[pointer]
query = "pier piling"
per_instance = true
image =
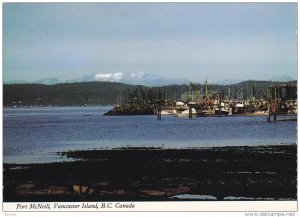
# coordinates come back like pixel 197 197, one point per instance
pixel 190 112
pixel 269 113
pixel 159 114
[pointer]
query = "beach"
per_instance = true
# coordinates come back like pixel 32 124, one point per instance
pixel 262 172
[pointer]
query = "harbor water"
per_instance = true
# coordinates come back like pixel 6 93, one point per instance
pixel 35 135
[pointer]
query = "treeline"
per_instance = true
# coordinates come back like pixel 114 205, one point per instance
pixel 65 94
pixel 107 93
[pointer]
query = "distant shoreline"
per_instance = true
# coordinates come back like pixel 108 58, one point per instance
pixel 94 106
pixel 106 93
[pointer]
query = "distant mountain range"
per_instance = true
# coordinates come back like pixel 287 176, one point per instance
pixel 281 78
pixel 141 78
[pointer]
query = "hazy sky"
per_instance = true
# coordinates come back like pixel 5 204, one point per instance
pixel 174 40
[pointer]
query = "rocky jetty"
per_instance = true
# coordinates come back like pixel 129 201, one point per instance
pixel 142 109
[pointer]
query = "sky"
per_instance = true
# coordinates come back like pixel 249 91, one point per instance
pixel 225 41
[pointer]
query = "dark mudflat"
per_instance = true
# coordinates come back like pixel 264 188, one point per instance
pixel 152 174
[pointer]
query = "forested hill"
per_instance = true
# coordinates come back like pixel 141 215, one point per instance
pixel 106 93
pixel 65 94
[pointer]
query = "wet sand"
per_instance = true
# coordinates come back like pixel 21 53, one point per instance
pixel 157 174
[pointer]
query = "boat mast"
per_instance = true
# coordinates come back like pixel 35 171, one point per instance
pixel 206 88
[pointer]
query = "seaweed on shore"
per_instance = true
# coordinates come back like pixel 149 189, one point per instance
pixel 140 174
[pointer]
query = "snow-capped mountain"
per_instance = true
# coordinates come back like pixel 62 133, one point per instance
pixel 48 81
pixel 141 78
pixel 229 82
pixel 283 78
pixel 112 77
pixel 15 82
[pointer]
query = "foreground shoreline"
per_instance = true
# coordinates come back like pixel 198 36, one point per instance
pixel 155 174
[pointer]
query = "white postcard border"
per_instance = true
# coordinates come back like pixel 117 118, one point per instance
pixel 190 206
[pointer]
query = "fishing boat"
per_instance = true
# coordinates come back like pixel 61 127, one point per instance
pixel 205 112
pixel 167 112
pixel 185 113
pixel 224 111
pixel 180 107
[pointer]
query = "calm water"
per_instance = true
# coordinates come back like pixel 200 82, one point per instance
pixel 33 135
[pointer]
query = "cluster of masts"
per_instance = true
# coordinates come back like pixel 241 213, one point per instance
pixel 280 98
